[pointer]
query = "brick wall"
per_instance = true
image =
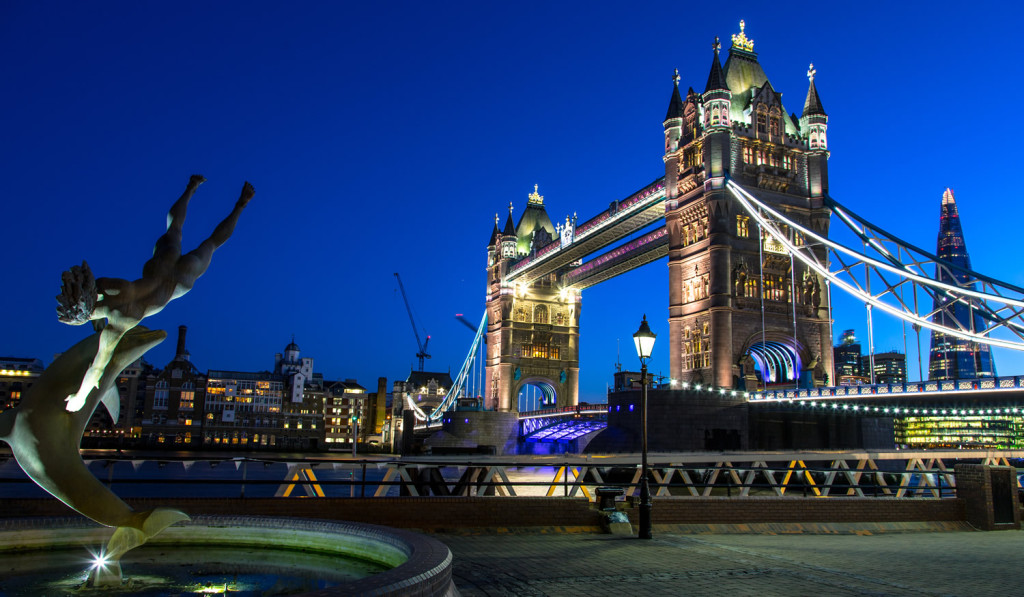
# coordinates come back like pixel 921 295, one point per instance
pixel 989 494
pixel 438 513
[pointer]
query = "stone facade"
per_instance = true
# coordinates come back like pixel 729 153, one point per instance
pixel 532 329
pixel 734 291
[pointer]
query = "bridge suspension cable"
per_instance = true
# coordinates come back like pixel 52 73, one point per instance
pixel 897 264
pixel 464 382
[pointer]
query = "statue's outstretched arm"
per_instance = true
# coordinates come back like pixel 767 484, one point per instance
pixel 109 337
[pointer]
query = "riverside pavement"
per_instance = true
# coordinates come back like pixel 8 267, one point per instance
pixel 743 560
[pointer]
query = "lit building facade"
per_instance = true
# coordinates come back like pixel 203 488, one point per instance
pixel 847 359
pixel 345 407
pixel 172 415
pixel 990 432
pixel 302 406
pixel 951 357
pixel 17 375
pixel 242 410
pixel 101 431
pixel 888 367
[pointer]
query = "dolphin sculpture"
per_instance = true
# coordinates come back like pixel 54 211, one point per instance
pixel 44 437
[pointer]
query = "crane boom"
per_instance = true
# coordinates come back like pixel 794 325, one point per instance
pixel 422 354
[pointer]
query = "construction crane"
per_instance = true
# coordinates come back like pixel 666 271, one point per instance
pixel 422 354
pixel 465 322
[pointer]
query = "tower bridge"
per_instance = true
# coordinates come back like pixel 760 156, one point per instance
pixel 743 213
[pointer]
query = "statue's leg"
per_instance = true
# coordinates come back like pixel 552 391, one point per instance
pixel 224 230
pixel 194 263
pixel 176 216
pixel 168 246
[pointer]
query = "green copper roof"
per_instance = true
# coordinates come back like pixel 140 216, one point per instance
pixel 534 217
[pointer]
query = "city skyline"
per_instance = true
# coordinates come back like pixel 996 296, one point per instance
pixel 385 141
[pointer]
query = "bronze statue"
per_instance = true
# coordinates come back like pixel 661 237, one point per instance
pixel 166 276
pixel 45 429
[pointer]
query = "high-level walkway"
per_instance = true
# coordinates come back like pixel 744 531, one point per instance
pixel 678 562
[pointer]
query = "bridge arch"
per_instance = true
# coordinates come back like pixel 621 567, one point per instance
pixel 535 393
pixel 775 358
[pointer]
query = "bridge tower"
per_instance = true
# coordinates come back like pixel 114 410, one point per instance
pixel 533 328
pixel 741 310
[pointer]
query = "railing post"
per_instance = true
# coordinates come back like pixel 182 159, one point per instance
pixel 362 490
pixel 245 470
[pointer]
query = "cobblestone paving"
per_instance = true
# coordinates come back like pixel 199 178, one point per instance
pixel 973 564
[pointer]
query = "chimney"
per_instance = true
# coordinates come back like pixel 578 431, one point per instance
pixel 181 352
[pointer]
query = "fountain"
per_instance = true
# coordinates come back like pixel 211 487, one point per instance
pixel 44 431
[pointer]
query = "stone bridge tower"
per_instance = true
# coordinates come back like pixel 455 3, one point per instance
pixel 742 312
pixel 532 329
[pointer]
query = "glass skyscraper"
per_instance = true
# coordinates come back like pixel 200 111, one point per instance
pixel 951 357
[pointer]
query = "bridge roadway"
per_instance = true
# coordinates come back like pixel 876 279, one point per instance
pixel 985 396
pixel 621 219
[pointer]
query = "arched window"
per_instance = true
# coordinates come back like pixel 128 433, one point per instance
pixel 715 114
pixel 762 121
pixel 540 314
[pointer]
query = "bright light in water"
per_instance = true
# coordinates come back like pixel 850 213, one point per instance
pixel 99 559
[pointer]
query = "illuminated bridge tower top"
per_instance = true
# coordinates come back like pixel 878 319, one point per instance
pixel 532 326
pixel 951 357
pixel 742 312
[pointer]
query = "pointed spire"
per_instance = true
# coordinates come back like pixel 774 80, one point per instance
pixel 812 106
pixel 510 227
pixel 675 105
pixel 494 235
pixel 716 79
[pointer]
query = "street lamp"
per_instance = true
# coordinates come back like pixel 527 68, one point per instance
pixel 644 340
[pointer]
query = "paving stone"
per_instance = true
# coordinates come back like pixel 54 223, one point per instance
pixel 968 563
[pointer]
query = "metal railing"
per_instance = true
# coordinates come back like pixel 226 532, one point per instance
pixel 896 475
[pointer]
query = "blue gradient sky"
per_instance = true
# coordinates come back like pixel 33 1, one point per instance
pixel 384 138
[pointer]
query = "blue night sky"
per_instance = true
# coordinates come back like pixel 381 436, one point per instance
pixel 383 138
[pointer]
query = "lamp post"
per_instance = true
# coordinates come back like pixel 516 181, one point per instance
pixel 644 341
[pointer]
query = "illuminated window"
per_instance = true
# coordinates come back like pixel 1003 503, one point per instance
pixel 742 226
pixel 748 154
pixel 188 395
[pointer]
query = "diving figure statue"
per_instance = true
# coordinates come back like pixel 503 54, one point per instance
pixel 45 429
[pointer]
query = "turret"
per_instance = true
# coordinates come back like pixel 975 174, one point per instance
pixel 493 250
pixel 674 118
pixel 717 121
pixel 508 237
pixel 814 127
pixel 717 97
pixel 814 121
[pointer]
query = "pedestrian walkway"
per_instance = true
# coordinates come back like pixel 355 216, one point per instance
pixel 680 562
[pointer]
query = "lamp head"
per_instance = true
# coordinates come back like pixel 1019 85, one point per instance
pixel 644 341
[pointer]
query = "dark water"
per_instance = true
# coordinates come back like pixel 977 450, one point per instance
pixel 165 571
pixel 207 478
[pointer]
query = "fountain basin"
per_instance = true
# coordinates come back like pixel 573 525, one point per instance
pixel 392 561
